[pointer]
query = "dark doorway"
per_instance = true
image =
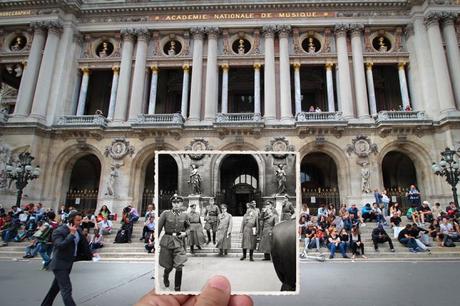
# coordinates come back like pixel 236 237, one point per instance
pixel 239 183
pixel 169 94
pixel 84 183
pixel 241 90
pixel 167 178
pixel 398 174
pixel 99 89
pixel 318 177
pixel 387 90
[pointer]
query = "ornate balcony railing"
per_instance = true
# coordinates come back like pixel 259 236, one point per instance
pixel 238 118
pixel 400 116
pixel 160 119
pixel 319 117
pixel 83 121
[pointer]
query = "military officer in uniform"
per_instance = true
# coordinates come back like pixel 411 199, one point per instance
pixel 175 223
pixel 287 210
pixel 249 230
pixel 224 230
pixel 196 236
pixel 210 216
pixel 267 222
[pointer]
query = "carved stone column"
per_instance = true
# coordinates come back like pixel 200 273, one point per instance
pixel 113 92
pixel 413 71
pixel 212 76
pixel 137 92
pixel 344 82
pixel 330 88
pixel 83 92
pixel 30 74
pixel 257 110
pixel 298 94
pixel 224 88
pixel 453 52
pixel 121 106
pixel 358 71
pixel 285 76
pixel 42 91
pixel 403 85
pixel 441 72
pixel 185 90
pixel 269 75
pixel 197 69
pixel 371 89
pixel 153 90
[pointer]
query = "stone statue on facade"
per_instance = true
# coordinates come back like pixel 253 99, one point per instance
pixel 382 46
pixel 365 179
pixel 5 153
pixel 105 50
pixel 172 48
pixel 280 176
pixel 18 44
pixel 111 183
pixel 241 47
pixel 311 46
pixel 195 180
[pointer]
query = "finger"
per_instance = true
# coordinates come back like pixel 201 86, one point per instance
pixel 153 299
pixel 240 300
pixel 216 292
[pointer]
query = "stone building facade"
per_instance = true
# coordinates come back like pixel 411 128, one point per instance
pixel 367 91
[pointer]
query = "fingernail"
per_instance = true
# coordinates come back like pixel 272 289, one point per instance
pixel 219 282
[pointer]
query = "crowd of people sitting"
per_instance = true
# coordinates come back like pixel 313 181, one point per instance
pixel 34 224
pixel 340 231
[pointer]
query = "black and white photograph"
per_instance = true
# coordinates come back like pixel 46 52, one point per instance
pixel 226 213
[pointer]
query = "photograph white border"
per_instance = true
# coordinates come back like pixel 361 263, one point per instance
pixel 297 213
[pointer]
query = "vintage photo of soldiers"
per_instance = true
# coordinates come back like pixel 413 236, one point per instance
pixel 227 228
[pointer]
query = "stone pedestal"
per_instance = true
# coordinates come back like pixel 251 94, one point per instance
pixel 197 200
pixel 279 204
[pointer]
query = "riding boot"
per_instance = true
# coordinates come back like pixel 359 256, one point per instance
pixel 178 280
pixel 221 252
pixel 166 277
pixel 214 237
pixel 192 250
pixel 266 256
pixel 251 255
pixel 244 255
pixel 225 252
pixel 209 236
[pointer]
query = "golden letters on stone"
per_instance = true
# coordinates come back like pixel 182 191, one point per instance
pixel 241 16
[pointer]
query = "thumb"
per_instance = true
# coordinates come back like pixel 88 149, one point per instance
pixel 216 292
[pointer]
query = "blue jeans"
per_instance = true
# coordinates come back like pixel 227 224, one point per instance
pixel 409 242
pixel 45 252
pixel 32 249
pixel 312 243
pixel 380 219
pixel 341 247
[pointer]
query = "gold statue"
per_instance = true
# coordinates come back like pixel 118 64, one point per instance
pixel 311 46
pixel 105 50
pixel 18 45
pixel 172 48
pixel 382 46
pixel 241 50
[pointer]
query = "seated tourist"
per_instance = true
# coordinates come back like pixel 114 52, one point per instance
pixel 407 239
pixel 311 238
pixel 105 226
pixel 452 210
pixel 335 243
pixel 355 215
pixel 97 241
pixel 150 243
pixel 437 211
pixel 31 250
pixel 421 237
pixel 133 214
pixel 322 223
pixel 395 215
pixel 150 211
pixel 377 211
pixel 367 213
pixel 425 213
pixel 347 221
pixel 379 235
pixel 356 243
pixel 104 212
pixel 322 211
pixel 343 210
pixel 305 212
pixel 447 229
pixel 149 226
pixel 345 238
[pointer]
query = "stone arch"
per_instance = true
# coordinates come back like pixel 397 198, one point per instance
pixel 139 166
pixel 341 161
pixel 239 147
pixel 59 174
pixel 421 159
pixel 217 159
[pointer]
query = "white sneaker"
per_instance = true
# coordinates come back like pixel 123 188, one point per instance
pixel 363 224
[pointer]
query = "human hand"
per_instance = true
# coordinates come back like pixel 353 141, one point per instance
pixel 216 292
pixel 73 229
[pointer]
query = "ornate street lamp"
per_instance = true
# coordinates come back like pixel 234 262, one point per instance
pixel 22 171
pixel 449 167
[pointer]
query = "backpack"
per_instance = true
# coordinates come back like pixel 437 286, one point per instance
pixel 122 236
pixel 449 242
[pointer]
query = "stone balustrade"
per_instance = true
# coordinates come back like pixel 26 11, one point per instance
pixel 238 118
pixel 173 120
pixel 319 117
pixel 83 121
pixel 400 116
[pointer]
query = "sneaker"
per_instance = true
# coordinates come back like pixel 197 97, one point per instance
pixel 330 256
pixel 412 250
pixel 392 250
pixel 345 256
pixel 363 224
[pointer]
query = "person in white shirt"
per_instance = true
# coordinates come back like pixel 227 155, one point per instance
pixel 105 226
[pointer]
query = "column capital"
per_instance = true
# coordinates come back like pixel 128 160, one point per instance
pixel 432 19
pixel 356 29
pixel 141 33
pixel 448 18
pixel 283 30
pixel 198 32
pixel 116 69
pixel 296 65
pixel 257 66
pixel 128 34
pixel 401 65
pixel 85 70
pixel 212 32
pixel 409 29
pixel 225 67
pixel 269 31
pixel 369 65
pixel 341 29
pixel 154 68
pixel 39 27
pixel 329 65
pixel 186 67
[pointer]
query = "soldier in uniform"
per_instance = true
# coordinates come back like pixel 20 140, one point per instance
pixel 249 229
pixel 287 210
pixel 196 236
pixel 224 230
pixel 268 220
pixel 210 216
pixel 175 222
